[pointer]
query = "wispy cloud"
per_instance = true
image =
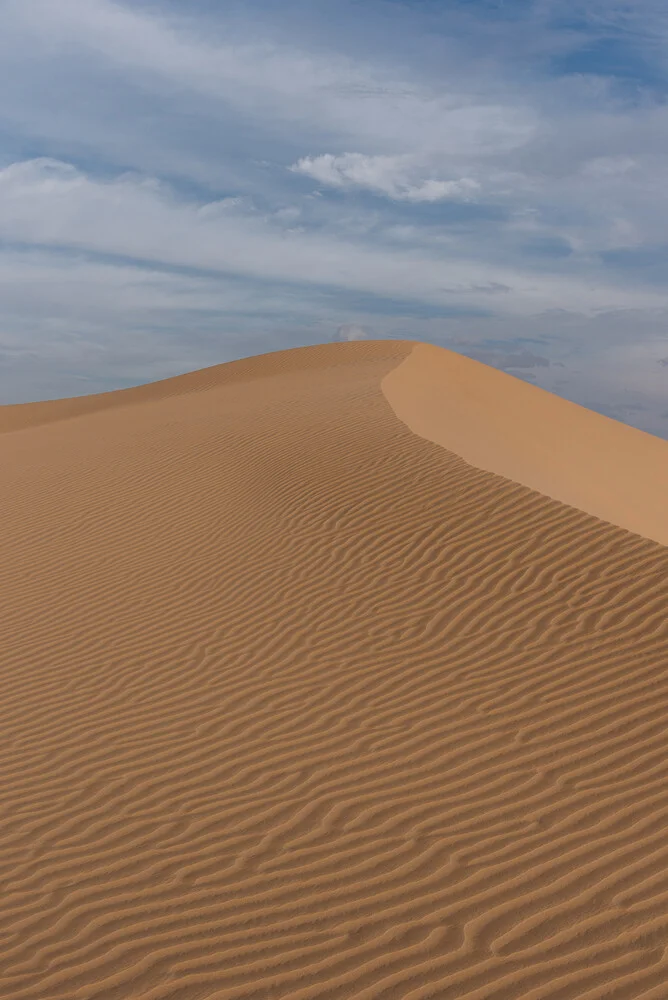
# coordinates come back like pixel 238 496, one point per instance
pixel 397 177
pixel 352 331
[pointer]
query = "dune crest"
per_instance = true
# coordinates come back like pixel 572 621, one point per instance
pixel 299 705
pixel 506 426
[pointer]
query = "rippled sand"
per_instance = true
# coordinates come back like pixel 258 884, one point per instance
pixel 313 685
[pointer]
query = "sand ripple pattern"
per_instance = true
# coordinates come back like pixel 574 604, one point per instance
pixel 296 704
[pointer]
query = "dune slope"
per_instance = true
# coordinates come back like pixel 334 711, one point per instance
pixel 504 425
pixel 297 703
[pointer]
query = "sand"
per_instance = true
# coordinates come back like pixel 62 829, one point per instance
pixel 297 702
pixel 504 425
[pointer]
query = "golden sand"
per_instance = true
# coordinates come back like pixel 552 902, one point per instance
pixel 308 690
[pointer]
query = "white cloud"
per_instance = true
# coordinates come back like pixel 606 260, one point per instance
pixel 43 202
pixel 394 176
pixel 352 331
pixel 263 79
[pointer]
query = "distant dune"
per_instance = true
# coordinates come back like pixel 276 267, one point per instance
pixel 332 673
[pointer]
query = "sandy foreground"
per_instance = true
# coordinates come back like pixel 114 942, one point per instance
pixel 331 673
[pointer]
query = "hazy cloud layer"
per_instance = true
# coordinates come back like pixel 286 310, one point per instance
pixel 185 183
pixel 504 359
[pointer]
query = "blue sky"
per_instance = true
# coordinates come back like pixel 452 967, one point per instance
pixel 186 183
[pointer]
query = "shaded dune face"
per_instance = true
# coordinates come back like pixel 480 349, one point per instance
pixel 299 704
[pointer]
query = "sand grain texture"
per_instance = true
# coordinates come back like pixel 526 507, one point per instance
pixel 297 703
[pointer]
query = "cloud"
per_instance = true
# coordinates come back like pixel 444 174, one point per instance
pixel 211 66
pixel 393 176
pixel 504 360
pixel 351 331
pixel 52 204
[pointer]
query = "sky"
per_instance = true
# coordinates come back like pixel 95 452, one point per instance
pixel 186 183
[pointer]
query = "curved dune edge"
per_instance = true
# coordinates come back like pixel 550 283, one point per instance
pixel 273 364
pixel 299 705
pixel 503 425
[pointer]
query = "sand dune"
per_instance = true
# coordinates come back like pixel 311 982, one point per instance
pixel 297 702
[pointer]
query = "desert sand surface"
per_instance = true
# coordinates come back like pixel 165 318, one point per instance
pixel 298 702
